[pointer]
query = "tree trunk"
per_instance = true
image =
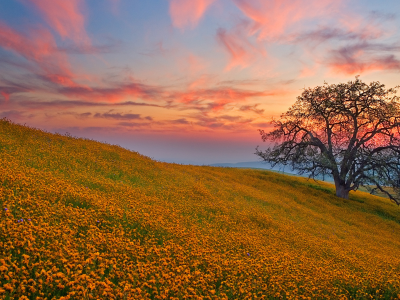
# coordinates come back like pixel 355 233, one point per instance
pixel 341 190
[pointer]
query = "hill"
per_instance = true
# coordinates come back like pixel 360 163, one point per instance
pixel 87 220
pixel 247 164
pixel 263 165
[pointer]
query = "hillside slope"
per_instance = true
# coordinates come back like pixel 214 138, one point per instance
pixel 86 220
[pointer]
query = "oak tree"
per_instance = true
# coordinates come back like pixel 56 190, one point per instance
pixel 350 131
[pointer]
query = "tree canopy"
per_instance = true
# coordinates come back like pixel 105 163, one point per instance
pixel 350 131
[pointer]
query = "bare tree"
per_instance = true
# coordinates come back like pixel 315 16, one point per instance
pixel 348 130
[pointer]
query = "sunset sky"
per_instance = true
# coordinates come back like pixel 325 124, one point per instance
pixel 184 80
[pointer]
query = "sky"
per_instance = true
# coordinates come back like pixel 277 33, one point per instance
pixel 186 81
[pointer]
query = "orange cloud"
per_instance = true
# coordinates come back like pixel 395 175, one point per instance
pixel 187 13
pixel 64 17
pixel 252 108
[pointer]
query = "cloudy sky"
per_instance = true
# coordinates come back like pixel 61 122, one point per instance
pixel 184 80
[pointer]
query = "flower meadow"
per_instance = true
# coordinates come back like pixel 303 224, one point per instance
pixel 82 219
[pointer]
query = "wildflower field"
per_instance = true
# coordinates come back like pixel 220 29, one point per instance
pixel 82 219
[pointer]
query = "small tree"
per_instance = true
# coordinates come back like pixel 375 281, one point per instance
pixel 349 130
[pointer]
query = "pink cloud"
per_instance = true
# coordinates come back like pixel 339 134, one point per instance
pixel 64 80
pixel 5 95
pixel 187 13
pixel 64 17
pixel 241 51
pixel 200 99
pixel 39 47
pixel 363 66
pixel 113 94
pixel 270 19
pixel 365 28
pixel 203 80
pixel 191 64
pixel 215 99
pixel 362 58
pixel 195 64
pixel 308 71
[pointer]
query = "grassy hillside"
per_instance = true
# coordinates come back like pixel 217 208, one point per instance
pixel 86 220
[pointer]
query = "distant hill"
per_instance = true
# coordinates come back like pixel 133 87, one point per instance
pixel 248 164
pixel 86 220
pixel 252 164
pixel 263 165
